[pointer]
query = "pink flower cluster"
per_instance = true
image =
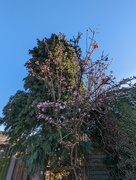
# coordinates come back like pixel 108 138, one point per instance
pixel 47 118
pixel 61 105
pixel 61 36
pixel 43 105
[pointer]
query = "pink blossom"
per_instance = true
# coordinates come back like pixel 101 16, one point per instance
pixel 42 105
pixel 61 36
pixel 41 116
pixel 37 62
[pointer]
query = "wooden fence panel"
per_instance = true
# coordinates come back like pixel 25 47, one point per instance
pixel 19 172
pixel 95 168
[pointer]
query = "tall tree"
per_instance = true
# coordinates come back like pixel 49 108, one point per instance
pixel 51 72
pixel 64 106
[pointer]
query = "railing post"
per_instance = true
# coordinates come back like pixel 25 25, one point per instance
pixel 11 168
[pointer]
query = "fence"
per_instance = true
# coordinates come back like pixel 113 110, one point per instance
pixel 16 171
pixel 95 168
pixel 10 168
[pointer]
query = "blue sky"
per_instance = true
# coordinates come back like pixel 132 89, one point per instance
pixel 21 22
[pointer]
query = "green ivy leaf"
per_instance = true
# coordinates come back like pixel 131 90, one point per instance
pixel 86 146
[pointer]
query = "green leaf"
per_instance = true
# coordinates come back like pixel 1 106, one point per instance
pixel 86 146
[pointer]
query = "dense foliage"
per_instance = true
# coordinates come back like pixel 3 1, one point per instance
pixel 65 107
pixel 123 155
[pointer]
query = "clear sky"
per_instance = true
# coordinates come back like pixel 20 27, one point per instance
pixel 22 22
